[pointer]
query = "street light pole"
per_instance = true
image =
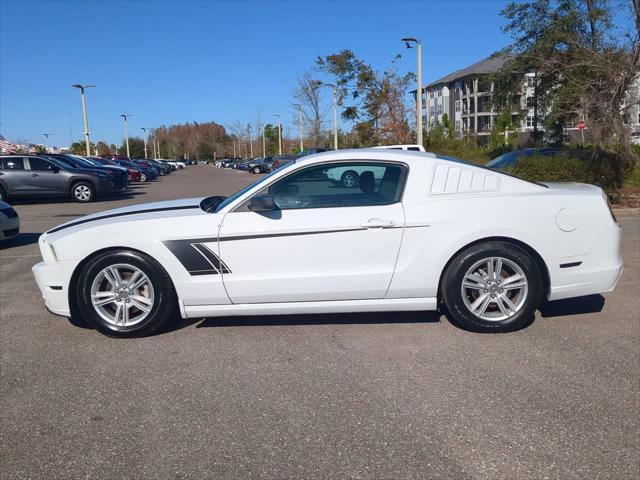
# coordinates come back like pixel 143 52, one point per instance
pixel 279 134
pixel 46 141
pixel 84 113
pixel 408 41
pixel 144 129
pixel 264 149
pixel 126 131
pixel 300 124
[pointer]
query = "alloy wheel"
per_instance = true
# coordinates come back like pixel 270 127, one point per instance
pixel 122 295
pixel 82 193
pixel 494 289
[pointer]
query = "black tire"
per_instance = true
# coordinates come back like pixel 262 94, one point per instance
pixel 3 194
pixel 349 179
pixel 452 294
pixel 165 305
pixel 83 192
pixel 256 169
pixel 143 178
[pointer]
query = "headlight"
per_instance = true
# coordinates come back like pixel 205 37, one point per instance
pixel 48 252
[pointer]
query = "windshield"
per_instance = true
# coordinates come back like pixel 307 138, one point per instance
pixel 239 193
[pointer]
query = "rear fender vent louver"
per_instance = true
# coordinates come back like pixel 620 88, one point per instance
pixel 448 179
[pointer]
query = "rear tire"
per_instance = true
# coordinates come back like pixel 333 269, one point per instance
pixel 83 192
pixel 492 287
pixel 149 306
pixel 256 170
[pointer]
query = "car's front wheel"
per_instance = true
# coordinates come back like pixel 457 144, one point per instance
pixel 256 169
pixel 143 177
pixel 492 287
pixel 3 194
pixel 83 192
pixel 125 294
pixel 349 179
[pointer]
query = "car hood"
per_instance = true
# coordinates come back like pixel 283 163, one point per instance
pixel 185 206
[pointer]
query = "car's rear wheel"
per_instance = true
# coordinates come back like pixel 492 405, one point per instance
pixel 492 287
pixel 256 169
pixel 83 192
pixel 349 179
pixel 126 294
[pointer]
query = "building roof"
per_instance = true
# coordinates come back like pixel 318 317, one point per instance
pixel 488 65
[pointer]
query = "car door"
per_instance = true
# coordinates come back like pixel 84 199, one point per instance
pixel 322 242
pixel 45 176
pixel 14 175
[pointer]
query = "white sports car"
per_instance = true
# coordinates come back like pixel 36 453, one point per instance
pixel 429 231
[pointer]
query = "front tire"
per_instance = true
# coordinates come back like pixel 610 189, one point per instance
pixel 349 179
pixel 126 294
pixel 256 170
pixel 3 194
pixel 492 287
pixel 143 178
pixel 83 192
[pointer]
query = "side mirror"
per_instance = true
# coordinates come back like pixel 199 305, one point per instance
pixel 262 203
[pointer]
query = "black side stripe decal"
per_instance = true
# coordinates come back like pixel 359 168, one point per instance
pixel 122 214
pixel 196 258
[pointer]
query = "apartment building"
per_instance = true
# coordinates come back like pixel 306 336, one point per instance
pixel 465 96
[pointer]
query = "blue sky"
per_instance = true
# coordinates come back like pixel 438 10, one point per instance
pixel 176 61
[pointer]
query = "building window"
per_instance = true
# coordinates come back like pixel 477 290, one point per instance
pixel 531 81
pixel 440 92
pixel 530 121
pixel 457 105
pixel 531 101
pixel 457 125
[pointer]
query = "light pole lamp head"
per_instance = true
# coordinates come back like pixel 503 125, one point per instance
pixel 408 40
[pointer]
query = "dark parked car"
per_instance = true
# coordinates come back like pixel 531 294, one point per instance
pixel 146 174
pixel 260 165
pixel 34 176
pixel 147 165
pixel 510 159
pixel 120 177
pixel 163 168
pixel 133 173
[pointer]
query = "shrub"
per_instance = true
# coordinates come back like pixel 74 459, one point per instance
pixel 572 166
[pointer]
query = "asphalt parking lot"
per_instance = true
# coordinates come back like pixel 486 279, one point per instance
pixel 384 396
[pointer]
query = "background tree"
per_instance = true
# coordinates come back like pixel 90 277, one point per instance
pixel 271 139
pixel 583 67
pixel 308 95
pixel 103 149
pixel 136 147
pixel 79 148
pixel 376 99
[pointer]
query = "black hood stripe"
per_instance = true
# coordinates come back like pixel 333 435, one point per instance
pixel 122 214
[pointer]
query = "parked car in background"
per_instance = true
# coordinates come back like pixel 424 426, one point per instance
pixel 282 161
pixel 162 168
pixel 153 172
pixel 409 148
pixel 311 151
pixel 120 177
pixel 35 176
pixel 510 159
pixel 134 174
pixel 9 221
pixel 244 165
pixel 145 174
pixel 260 165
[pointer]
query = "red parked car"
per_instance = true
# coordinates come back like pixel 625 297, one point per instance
pixel 134 174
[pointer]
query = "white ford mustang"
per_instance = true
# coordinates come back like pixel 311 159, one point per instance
pixel 408 231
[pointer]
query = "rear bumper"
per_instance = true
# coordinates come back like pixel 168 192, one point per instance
pixel 53 284
pixel 598 271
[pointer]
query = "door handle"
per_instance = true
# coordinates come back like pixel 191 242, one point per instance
pixel 377 223
pixel 34 174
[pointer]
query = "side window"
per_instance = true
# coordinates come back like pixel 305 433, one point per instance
pixel 39 164
pixel 354 184
pixel 13 163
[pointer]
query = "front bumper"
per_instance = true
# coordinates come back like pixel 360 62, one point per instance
pixel 52 280
pixel 9 228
